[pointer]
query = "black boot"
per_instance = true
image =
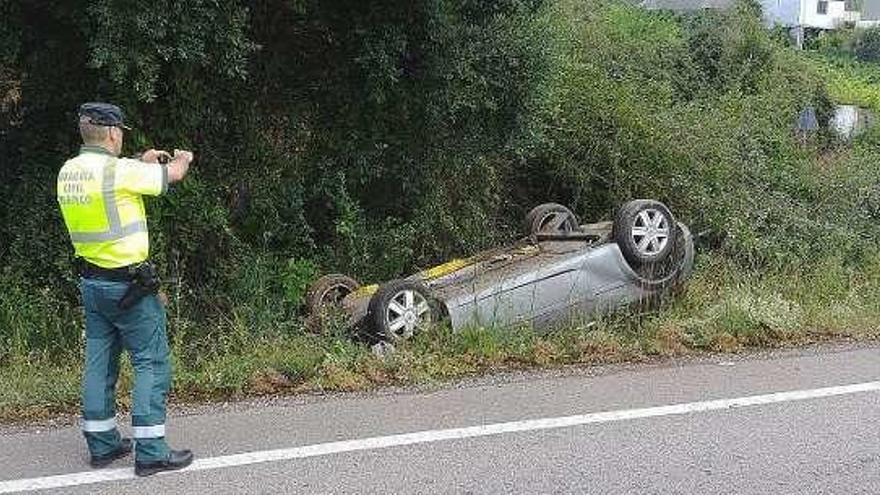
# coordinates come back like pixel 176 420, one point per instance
pixel 105 460
pixel 177 459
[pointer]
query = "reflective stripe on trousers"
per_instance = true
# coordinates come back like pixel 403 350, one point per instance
pixel 157 431
pixel 97 426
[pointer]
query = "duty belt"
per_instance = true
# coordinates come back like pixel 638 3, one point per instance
pixel 122 274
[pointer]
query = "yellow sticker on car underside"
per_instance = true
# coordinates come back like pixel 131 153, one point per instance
pixel 367 290
pixel 445 269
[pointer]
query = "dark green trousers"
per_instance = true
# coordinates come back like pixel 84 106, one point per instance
pixel 139 330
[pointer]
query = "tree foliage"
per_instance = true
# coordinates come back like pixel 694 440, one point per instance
pixel 378 137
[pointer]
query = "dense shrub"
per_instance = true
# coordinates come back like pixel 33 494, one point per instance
pixel 379 137
pixel 867 45
pixel 862 44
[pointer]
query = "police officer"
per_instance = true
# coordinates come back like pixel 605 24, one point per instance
pixel 100 195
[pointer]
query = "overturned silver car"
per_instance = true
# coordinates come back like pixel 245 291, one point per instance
pixel 561 272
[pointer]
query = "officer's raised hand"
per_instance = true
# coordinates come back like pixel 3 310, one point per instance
pixel 179 165
pixel 153 156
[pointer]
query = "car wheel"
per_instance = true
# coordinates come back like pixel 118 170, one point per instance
pixel 400 309
pixel 551 218
pixel 675 269
pixel 329 291
pixel 646 232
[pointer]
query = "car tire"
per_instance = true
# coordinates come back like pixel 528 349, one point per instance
pixel 551 218
pixel 672 272
pixel 400 309
pixel 645 231
pixel 329 290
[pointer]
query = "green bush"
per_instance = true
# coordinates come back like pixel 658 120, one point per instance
pixel 296 279
pixel 867 45
pixel 377 138
pixel 33 323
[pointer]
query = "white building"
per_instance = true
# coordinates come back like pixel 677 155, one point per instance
pixel 817 14
pixel 798 15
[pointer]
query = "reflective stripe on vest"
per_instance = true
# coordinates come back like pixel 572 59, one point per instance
pixel 115 229
pixel 115 233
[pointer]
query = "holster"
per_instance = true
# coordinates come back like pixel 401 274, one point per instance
pixel 145 282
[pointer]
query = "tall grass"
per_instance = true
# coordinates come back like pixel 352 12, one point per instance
pixel 723 309
pixel 33 322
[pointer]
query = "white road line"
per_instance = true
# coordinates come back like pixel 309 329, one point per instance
pixel 102 476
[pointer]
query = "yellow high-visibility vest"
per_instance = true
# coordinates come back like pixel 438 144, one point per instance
pixel 101 201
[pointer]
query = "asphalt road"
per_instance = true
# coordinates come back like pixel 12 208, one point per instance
pixel 802 444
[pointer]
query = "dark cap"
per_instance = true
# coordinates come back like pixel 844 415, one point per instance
pixel 104 114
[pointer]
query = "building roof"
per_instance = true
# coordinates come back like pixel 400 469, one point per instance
pixel 688 5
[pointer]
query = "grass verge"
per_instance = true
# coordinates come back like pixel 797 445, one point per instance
pixel 723 309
